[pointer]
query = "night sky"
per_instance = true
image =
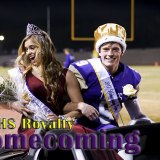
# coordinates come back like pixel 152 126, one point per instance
pixel 15 15
pixel 89 14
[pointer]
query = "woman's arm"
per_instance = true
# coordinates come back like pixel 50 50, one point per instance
pixel 4 106
pixel 17 106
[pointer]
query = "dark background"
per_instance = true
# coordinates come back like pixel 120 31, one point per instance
pixel 89 14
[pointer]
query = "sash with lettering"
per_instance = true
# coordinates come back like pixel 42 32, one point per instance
pixel 107 87
pixel 40 110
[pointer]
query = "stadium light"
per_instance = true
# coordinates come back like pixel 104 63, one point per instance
pixel 1 38
pixel 1 45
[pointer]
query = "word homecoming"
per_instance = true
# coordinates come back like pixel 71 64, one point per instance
pixel 67 140
pixel 27 124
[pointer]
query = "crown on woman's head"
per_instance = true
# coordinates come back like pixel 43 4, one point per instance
pixel 32 29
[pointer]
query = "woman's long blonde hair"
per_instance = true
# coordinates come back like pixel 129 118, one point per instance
pixel 51 68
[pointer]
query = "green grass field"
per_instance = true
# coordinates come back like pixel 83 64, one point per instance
pixel 149 95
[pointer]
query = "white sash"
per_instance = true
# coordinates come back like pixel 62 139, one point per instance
pixel 41 110
pixel 108 89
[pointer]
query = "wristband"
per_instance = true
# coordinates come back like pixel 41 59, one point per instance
pixel 62 117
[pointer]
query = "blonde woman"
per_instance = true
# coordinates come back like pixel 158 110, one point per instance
pixel 43 86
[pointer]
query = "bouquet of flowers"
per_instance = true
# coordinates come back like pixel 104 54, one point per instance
pixel 7 90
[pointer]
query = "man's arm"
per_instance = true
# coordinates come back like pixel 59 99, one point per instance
pixel 77 106
pixel 134 109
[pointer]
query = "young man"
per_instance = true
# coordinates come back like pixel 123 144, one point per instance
pixel 105 82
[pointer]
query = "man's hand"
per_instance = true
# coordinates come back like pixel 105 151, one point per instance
pixel 87 110
pixel 143 120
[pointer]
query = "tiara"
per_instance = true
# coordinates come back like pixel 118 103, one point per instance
pixel 32 29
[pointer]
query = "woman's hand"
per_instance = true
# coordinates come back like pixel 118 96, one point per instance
pixel 87 110
pixel 52 117
pixel 20 107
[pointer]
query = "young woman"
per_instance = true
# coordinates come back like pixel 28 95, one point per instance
pixel 43 86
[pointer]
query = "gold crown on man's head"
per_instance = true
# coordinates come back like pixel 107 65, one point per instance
pixel 110 32
pixel 32 29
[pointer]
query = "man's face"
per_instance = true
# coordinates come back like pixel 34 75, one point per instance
pixel 111 54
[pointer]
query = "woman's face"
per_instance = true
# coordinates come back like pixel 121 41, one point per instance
pixel 32 52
